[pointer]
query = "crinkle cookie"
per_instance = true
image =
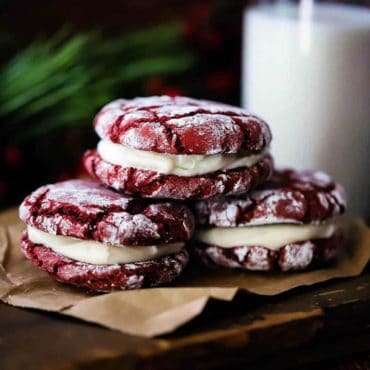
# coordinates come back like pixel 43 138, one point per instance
pixel 178 147
pixel 288 224
pixel 87 235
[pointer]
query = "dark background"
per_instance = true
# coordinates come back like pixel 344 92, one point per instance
pixel 37 148
pixel 60 61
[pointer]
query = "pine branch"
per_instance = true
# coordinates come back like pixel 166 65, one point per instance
pixel 64 80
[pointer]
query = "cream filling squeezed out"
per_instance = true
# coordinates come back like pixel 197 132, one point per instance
pixel 97 253
pixel 170 164
pixel 269 236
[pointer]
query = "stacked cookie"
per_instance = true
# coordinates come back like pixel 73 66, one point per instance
pixel 86 235
pixel 179 148
pixel 287 224
pixel 129 227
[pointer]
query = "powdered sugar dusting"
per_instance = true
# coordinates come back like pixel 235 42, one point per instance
pixel 120 226
pixel 87 210
pixel 289 196
pixel 295 256
pixel 241 253
pixel 258 259
pixel 175 124
pixel 135 282
pixel 84 193
pixel 216 255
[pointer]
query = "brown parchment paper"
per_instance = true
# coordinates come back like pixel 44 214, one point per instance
pixel 150 312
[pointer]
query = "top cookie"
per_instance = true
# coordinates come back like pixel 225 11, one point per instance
pixel 87 210
pixel 290 196
pixel 181 125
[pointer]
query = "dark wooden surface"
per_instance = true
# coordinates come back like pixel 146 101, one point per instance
pixel 324 325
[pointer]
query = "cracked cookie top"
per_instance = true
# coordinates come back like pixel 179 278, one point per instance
pixel 181 125
pixel 87 210
pixel 290 196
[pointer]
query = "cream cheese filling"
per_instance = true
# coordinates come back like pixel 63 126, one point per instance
pixel 269 236
pixel 170 164
pixel 97 253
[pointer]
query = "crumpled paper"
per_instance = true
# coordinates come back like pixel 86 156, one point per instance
pixel 156 311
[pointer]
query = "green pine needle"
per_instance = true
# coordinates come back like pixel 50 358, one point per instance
pixel 64 80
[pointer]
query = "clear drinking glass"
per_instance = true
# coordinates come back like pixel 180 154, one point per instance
pixel 306 70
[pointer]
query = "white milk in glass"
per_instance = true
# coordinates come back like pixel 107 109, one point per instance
pixel 308 75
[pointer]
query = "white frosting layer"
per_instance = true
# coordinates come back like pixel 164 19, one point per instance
pixel 96 253
pixel 170 164
pixel 268 236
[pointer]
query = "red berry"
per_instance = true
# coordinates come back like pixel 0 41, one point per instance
pixel 212 39
pixel 172 91
pixel 221 82
pixel 13 155
pixel 154 85
pixel 200 11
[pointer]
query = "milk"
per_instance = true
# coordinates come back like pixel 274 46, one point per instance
pixel 309 78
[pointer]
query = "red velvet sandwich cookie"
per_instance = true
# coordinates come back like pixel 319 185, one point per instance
pixel 178 147
pixel 288 224
pixel 89 236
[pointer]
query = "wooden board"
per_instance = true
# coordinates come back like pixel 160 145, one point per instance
pixel 321 324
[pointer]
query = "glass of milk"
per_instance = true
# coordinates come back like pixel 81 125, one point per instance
pixel 306 71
